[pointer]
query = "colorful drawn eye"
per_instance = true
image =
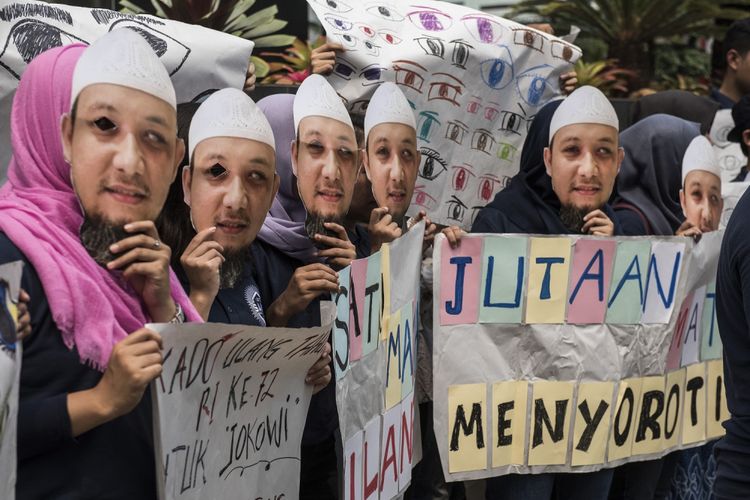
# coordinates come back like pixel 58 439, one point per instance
pixel 365 30
pixel 348 41
pixel 474 104
pixel 511 122
pixel 487 185
pixel 359 107
pixel 389 37
pixel 430 19
pixel 533 86
pixel 529 38
pixel 456 209
pixel 491 112
pixel 483 141
pixel 338 23
pixel 431 46
pixel 407 75
pixel 461 52
pixel 427 120
pixel 433 164
pixel 423 199
pixel 446 88
pixel 483 28
pixel 384 11
pixel 343 68
pixel 498 73
pixel 455 131
pixel 565 51
pixel 372 75
pixel 461 176
pixel 371 48
pixel 506 151
pixel 334 5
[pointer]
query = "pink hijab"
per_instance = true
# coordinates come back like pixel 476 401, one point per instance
pixel 41 215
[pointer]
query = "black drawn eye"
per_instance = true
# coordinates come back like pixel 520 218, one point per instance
pixel 533 86
pixel 366 30
pixel 474 105
pixel 423 198
pixel 461 52
pixel 407 74
pixel 338 23
pixel 498 73
pixel 563 50
pixel 427 123
pixel 483 141
pixel 506 151
pixel 431 46
pixel 171 51
pixel 483 28
pixel 529 38
pixel 371 49
pixel 433 164
pixel 359 107
pixel 461 176
pixel 430 19
pixel 511 122
pixel 386 12
pixel 455 131
pixel 445 88
pixel 456 209
pixel 32 37
pixel 343 68
pixel 334 5
pixel 487 185
pixel 372 75
pixel 389 37
pixel 348 41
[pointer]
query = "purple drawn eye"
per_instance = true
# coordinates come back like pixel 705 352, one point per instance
pixel 430 19
pixel 343 69
pixel 484 29
pixel 373 74
pixel 338 23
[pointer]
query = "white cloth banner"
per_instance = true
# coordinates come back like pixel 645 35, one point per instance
pixel 570 353
pixel 474 80
pixel 230 408
pixel 10 375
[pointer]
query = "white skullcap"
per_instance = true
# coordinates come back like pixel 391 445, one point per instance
pixel 388 105
pixel 700 155
pixel 585 105
pixel 316 97
pixel 123 57
pixel 229 113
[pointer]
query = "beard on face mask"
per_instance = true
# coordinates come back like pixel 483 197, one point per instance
pixel 572 217
pixel 233 267
pixel 314 224
pixel 98 234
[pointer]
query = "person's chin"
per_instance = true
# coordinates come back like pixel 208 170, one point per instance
pixel 119 213
pixel 329 211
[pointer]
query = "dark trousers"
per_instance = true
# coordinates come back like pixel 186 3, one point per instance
pixel 318 476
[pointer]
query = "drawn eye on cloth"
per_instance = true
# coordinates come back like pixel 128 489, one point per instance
pixel 462 174
pixel 445 88
pixel 483 141
pixel 31 37
pixel 338 23
pixel 372 75
pixel 343 68
pixel 491 110
pixel 563 50
pixel 433 165
pixel 461 53
pixel 385 11
pixel 529 38
pixel 487 185
pixel 347 40
pixel 511 122
pixel 498 73
pixel 371 49
pixel 456 209
pixel 427 123
pixel 474 105
pixel 432 46
pixel 455 131
pixel 422 198
pixel 359 107
pixel 335 5
pixel 484 29
pixel 172 52
pixel 506 151
pixel 409 74
pixel 366 30
pixel 533 85
pixel 389 37
pixel 430 19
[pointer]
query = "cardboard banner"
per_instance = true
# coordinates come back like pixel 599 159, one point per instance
pixel 230 408
pixel 374 356
pixel 474 80
pixel 10 375
pixel 197 58
pixel 573 353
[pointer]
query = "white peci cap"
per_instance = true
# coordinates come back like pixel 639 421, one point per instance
pixel 585 105
pixel 316 97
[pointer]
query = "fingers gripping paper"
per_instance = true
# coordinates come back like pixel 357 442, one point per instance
pixel 230 407
pixel 585 353
pixel 475 82
pixel 197 58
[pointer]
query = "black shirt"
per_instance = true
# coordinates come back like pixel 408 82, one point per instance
pixel 112 461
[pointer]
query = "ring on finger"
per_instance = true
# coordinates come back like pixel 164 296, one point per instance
pixel 156 244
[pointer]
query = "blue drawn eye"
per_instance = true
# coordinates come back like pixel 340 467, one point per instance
pixel 427 120
pixel 343 68
pixel 483 28
pixel 498 73
pixel 533 85
pixel 430 19
pixel 372 75
pixel 338 23
pixel 386 12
